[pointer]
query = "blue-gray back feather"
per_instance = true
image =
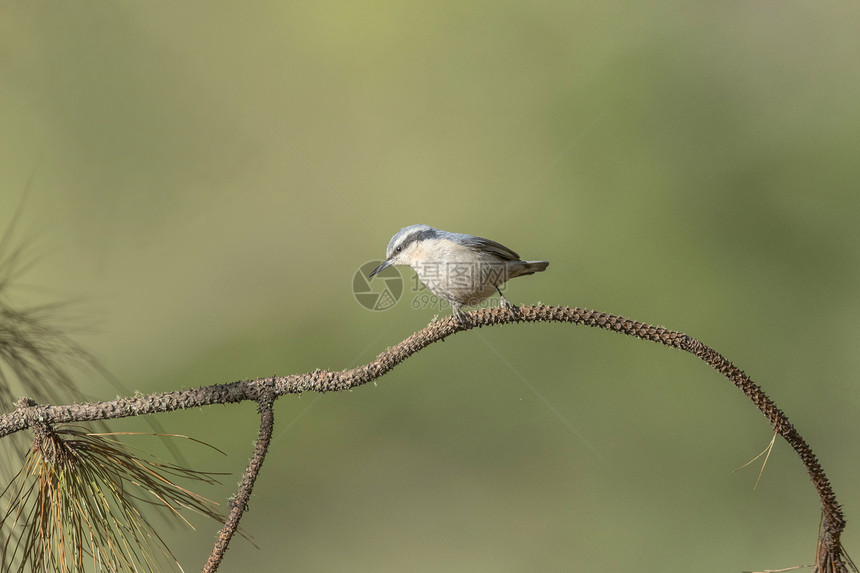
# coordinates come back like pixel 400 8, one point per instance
pixel 487 246
pixel 413 233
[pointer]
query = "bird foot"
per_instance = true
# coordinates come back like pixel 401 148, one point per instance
pixel 507 305
pixel 460 316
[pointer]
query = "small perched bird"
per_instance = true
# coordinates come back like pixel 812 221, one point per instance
pixel 460 269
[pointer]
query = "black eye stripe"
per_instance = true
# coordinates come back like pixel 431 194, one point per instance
pixel 415 237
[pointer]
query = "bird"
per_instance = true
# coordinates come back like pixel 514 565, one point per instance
pixel 458 268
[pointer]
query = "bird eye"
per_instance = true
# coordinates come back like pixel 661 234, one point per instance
pixel 398 249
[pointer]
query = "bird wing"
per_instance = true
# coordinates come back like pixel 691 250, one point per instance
pixel 486 245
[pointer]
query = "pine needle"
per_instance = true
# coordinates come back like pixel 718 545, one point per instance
pixel 766 454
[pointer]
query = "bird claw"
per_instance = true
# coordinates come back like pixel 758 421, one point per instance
pixel 507 305
pixel 461 317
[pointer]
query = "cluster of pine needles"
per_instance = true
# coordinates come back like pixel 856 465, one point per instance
pixel 79 499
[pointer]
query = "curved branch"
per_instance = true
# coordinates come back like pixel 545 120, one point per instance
pixel 239 503
pixel 328 381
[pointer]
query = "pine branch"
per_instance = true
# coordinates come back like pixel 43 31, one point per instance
pixel 830 555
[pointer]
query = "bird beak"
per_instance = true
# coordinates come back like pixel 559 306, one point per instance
pixel 384 265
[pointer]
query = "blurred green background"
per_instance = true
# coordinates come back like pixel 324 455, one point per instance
pixel 209 177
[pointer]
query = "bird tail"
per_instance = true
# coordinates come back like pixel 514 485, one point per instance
pixel 529 268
